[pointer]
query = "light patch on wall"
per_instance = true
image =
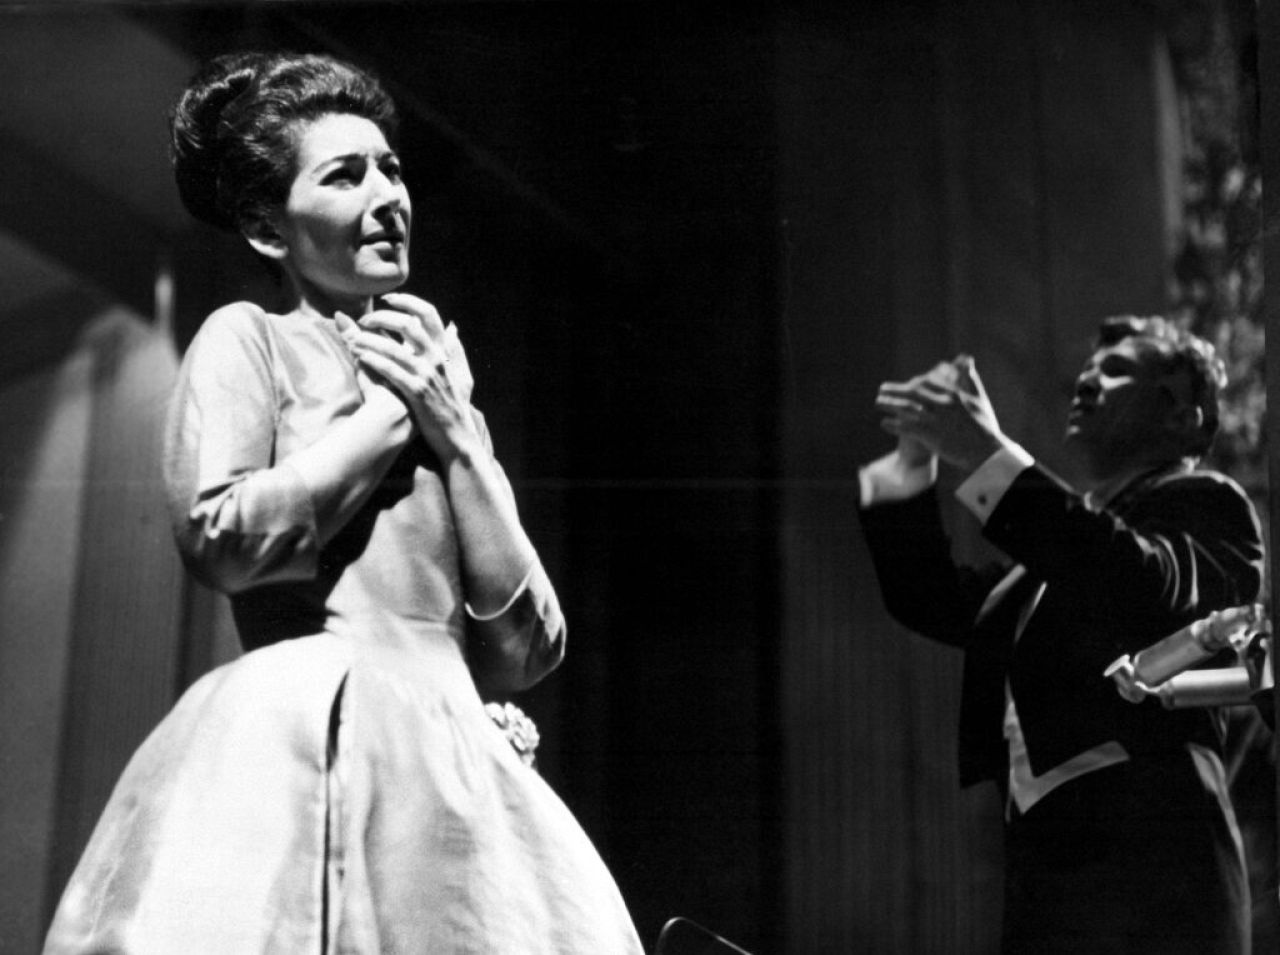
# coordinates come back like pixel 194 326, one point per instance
pixel 89 88
pixel 26 275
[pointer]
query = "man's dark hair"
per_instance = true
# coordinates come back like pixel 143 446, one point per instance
pixel 1179 350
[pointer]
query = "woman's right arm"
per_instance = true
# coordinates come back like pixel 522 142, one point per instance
pixel 241 517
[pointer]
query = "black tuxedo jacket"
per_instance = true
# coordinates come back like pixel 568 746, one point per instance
pixel 1174 546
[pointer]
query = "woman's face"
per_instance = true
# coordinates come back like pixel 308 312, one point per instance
pixel 345 225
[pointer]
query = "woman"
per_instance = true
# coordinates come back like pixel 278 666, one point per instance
pixel 340 787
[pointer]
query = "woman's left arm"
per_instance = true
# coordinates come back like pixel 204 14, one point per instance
pixel 517 632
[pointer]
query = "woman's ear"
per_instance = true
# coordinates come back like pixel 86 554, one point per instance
pixel 266 239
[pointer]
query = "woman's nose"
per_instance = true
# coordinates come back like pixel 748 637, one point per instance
pixel 388 194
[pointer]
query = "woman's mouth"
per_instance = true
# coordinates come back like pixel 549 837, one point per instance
pixel 383 238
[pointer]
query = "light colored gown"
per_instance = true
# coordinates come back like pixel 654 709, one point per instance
pixel 340 787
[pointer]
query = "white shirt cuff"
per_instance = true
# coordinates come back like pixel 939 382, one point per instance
pixel 982 490
pixel 890 478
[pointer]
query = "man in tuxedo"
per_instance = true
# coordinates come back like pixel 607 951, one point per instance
pixel 1120 835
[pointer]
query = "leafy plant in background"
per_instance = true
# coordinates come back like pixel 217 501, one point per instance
pixel 1217 271
pixel 1217 291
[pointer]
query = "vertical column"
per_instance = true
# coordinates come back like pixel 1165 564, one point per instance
pixel 44 429
pixel 124 642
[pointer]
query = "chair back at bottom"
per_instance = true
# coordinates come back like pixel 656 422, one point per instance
pixel 682 936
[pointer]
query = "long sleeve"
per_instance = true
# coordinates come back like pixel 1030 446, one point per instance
pixel 239 519
pixel 1171 550
pixel 514 647
pixel 251 498
pixel 922 586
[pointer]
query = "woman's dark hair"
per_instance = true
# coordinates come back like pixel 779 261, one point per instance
pixel 234 131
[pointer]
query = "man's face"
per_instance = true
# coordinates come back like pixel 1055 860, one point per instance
pixel 1124 407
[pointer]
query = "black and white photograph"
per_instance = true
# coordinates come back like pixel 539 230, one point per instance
pixel 638 477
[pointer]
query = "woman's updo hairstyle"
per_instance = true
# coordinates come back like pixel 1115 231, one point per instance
pixel 235 129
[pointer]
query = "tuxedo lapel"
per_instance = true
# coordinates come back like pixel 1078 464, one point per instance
pixel 983 753
pixel 1008 607
pixel 1001 590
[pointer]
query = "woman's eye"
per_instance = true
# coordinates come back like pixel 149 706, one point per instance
pixel 340 175
pixel 391 169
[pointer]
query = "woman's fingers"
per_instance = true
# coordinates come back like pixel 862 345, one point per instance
pixel 405 378
pixel 413 359
pixel 459 366
pixel 440 413
pixel 404 333
pixel 410 372
pixel 415 322
pixel 408 347
pixel 426 389
pixel 402 328
pixel 412 330
pixel 420 309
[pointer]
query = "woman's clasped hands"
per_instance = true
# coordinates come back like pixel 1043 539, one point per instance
pixel 405 347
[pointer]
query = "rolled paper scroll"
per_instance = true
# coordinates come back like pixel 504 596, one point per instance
pixel 1224 686
pixel 1142 675
pixel 1193 644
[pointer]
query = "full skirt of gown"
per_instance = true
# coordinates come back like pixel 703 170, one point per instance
pixel 325 794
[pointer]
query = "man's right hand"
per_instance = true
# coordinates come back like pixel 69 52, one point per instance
pixel 945 411
pixel 913 453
